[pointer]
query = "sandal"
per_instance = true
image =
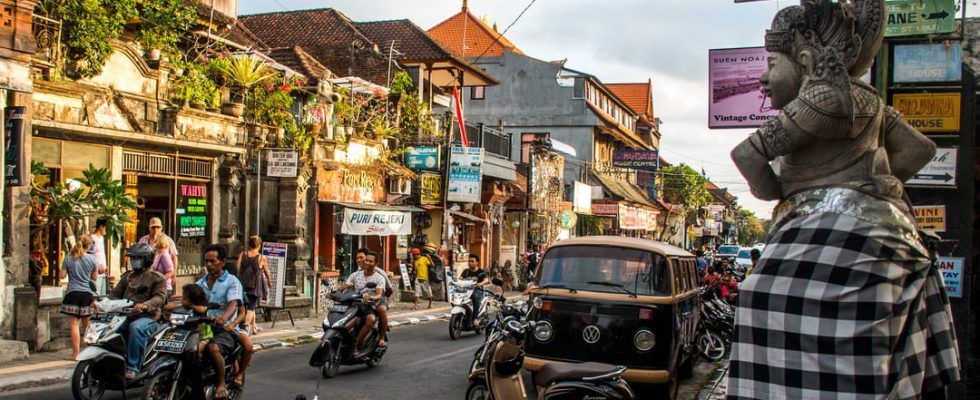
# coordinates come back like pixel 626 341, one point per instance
pixel 221 393
pixel 239 381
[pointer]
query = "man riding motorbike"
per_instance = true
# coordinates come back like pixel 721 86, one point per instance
pixel 147 289
pixel 478 274
pixel 359 280
pixel 225 289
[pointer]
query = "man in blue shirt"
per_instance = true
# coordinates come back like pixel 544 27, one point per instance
pixel 225 289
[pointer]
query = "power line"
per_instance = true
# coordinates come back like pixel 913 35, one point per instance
pixel 501 34
pixel 280 5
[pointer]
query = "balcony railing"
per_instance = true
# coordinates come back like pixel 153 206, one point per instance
pixel 47 34
pixel 491 140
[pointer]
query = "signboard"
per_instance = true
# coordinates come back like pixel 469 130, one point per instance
pixel 422 157
pixel 941 171
pixel 736 98
pixel 327 286
pixel 275 254
pixel 353 184
pixel 605 209
pixel 13 131
pixel 568 220
pixel 15 75
pixel 952 270
pixel 581 198
pixel 376 222
pixel 917 17
pixel 192 209
pixel 933 62
pixel 430 189
pixel 406 278
pixel 929 112
pixel 283 163
pixel 465 170
pixel 930 217
pixel 636 159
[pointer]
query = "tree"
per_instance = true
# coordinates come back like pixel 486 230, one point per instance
pixel 752 229
pixel 685 186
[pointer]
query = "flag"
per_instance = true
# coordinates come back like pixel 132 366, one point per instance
pixel 458 108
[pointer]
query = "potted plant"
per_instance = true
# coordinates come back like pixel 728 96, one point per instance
pixel 243 72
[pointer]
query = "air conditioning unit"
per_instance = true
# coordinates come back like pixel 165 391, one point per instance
pixel 399 185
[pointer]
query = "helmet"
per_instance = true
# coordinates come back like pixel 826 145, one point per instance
pixel 140 256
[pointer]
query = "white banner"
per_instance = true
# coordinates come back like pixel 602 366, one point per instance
pixel 376 222
pixel 275 255
pixel 283 163
pixel 582 198
pixel 465 174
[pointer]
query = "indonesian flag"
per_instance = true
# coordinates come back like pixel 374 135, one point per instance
pixel 458 108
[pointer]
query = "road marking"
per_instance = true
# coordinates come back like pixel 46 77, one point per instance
pixel 441 356
pixel 413 321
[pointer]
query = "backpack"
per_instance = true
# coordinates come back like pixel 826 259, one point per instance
pixel 437 270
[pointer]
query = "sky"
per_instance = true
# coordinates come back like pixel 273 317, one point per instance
pixel 666 41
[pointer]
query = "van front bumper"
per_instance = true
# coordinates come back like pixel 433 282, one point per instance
pixel 630 375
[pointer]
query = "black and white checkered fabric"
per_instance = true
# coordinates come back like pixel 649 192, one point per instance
pixel 840 308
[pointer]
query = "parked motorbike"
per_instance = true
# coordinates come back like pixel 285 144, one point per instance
pixel 343 321
pixel 102 365
pixel 461 317
pixel 180 370
pixel 500 376
pixel 717 325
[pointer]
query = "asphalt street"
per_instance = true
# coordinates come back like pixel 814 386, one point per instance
pixel 421 364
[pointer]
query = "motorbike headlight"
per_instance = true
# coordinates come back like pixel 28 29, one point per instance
pixel 178 319
pixel 543 331
pixel 644 340
pixel 537 303
pixel 92 335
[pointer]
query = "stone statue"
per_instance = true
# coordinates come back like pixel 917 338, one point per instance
pixel 845 301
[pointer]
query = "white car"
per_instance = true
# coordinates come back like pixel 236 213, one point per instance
pixel 743 260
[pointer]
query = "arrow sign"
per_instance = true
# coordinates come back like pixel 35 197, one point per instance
pixel 918 17
pixel 941 171
pixel 937 15
pixel 944 177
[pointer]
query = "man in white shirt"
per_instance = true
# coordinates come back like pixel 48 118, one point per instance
pixel 98 251
pixel 359 280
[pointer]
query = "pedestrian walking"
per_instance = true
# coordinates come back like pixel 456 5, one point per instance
pixel 98 251
pixel 253 271
pixel 420 268
pixel 163 264
pixel 82 270
pixel 156 232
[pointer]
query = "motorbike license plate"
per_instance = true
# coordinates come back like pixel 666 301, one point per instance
pixel 104 318
pixel 173 342
pixel 338 308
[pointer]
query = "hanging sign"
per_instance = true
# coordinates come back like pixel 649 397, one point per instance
pixel 941 171
pixel 582 198
pixel 568 220
pixel 430 189
pixel 918 17
pixel 353 184
pixel 736 97
pixel 635 159
pixel 931 218
pixel 465 169
pixel 929 112
pixel 275 254
pixel 14 166
pixel 934 62
pixel 952 270
pixel 604 209
pixel 283 163
pixel 192 210
pixel 376 222
pixel 422 157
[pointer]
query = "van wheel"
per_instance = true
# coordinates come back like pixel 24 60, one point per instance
pixel 686 369
pixel 667 390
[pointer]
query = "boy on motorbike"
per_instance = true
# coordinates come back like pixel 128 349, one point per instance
pixel 359 280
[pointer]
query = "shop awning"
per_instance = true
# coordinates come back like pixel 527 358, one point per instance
pixel 470 217
pixel 377 207
pixel 623 189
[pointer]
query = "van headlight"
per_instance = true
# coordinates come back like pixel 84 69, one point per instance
pixel 644 340
pixel 543 331
pixel 537 303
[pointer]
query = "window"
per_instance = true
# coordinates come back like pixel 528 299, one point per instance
pixel 606 269
pixel 478 92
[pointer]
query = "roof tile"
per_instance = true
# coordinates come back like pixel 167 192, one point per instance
pixel 637 96
pixel 481 40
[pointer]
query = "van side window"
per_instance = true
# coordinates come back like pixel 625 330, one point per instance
pixel 692 274
pixel 678 289
pixel 687 275
pixel 661 277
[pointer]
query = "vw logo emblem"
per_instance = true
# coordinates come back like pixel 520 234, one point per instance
pixel 590 334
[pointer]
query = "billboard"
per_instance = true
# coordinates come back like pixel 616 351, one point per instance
pixel 422 157
pixel 636 159
pixel 736 97
pixel 929 112
pixel 465 174
pixel 930 218
pixel 917 17
pixel 928 62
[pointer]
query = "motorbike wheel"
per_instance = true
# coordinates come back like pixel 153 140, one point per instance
pixel 456 326
pixel 478 391
pixel 331 365
pixel 83 387
pixel 158 387
pixel 711 345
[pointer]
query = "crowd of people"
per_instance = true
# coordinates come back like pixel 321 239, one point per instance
pixel 720 274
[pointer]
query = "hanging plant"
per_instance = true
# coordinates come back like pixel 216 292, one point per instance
pixel 164 23
pixel 88 27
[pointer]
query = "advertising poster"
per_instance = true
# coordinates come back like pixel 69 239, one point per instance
pixel 941 171
pixel 934 62
pixel 192 210
pixel 14 166
pixel 736 98
pixel 422 157
pixel 376 222
pixel 283 163
pixel 430 189
pixel 636 159
pixel 465 173
pixel 952 270
pixel 275 254
pixel 932 218
pixel 929 112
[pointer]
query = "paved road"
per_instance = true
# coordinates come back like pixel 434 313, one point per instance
pixel 421 364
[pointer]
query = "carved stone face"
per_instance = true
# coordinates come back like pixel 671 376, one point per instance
pixel 782 79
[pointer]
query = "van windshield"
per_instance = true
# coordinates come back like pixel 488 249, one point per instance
pixel 728 250
pixel 604 269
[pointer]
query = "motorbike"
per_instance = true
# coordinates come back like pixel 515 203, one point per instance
pixel 717 325
pixel 343 321
pixel 102 365
pixel 499 376
pixel 508 310
pixel 461 317
pixel 180 370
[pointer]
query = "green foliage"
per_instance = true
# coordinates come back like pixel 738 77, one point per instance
pixel 164 23
pixel 402 83
pixel 243 71
pixel 97 195
pixel 88 26
pixel 685 186
pixel 415 118
pixel 272 105
pixel 195 88
pixel 752 229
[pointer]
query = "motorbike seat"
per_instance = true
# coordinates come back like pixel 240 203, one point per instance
pixel 554 372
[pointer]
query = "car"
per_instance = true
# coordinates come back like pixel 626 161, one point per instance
pixel 616 300
pixel 729 251
pixel 743 260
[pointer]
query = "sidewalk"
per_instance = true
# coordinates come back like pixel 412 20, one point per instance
pixel 47 368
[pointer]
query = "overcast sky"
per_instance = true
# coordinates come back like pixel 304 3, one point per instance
pixel 666 41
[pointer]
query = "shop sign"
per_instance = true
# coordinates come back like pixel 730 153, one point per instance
pixel 430 192
pixel 14 169
pixel 465 174
pixel 192 210
pixel 568 220
pixel 422 157
pixel 376 222
pixel 361 185
pixel 283 163
pixel 929 112
pixel 582 198
pixel 917 17
pixel 604 209
pixel 716 208
pixel 275 254
pixel 636 159
pixel 930 217
pixel 652 220
pixel 952 270
pixel 627 217
pixel 736 97
pixel 941 171
pixel 935 62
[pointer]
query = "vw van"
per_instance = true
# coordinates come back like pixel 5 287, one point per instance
pixel 616 300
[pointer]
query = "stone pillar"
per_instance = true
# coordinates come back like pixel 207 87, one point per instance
pixel 229 204
pixel 17 248
pixel 293 227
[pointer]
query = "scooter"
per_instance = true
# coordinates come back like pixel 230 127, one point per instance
pixel 501 377
pixel 180 370
pixel 343 321
pixel 461 316
pixel 102 365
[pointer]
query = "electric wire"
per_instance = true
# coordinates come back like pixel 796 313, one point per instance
pixel 501 34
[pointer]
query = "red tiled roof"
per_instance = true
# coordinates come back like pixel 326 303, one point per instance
pixel 637 96
pixel 480 38
pixel 300 61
